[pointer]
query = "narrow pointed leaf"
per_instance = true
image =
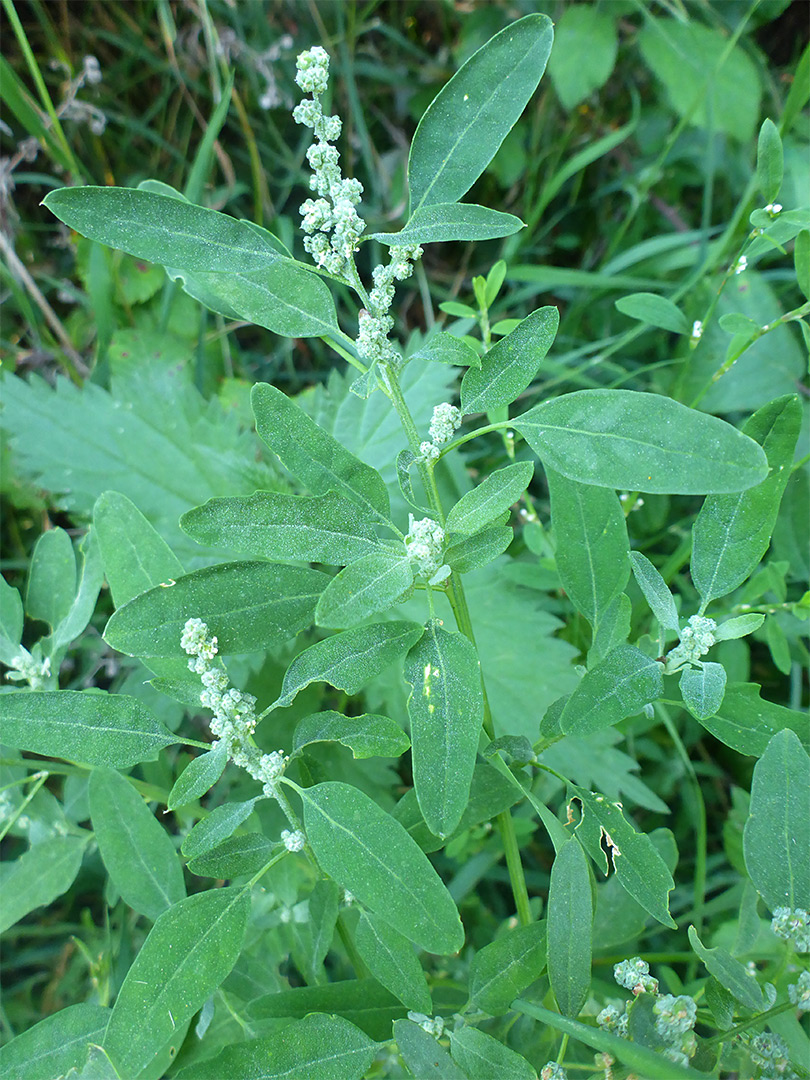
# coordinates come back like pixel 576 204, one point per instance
pixel 444 348
pixel 213 830
pixel 51 578
pixel 477 550
pixel 635 441
pixel 323 914
pixel 368 735
pixel 440 222
pixel 391 960
pixel 489 499
pixel 236 856
pixel 54 1045
pixel 11 622
pixel 45 871
pixel 621 685
pixel 655 589
pixel 770 160
pixel 569 922
pixel 504 968
pixel 371 584
pixel 136 557
pixel 654 310
pixel 703 689
pixel 729 972
pixel 511 364
pixel 481 1057
pixel 199 776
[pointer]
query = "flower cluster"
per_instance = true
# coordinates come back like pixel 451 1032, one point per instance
pixel 376 324
pixel 443 426
pixel 741 265
pixel 333 212
pixel 635 975
pixel 433 1026
pixel 697 637
pixel 793 924
pixel 425 547
pixel 293 841
pixel 770 1053
pixel 553 1071
pixel 799 992
pixel 34 669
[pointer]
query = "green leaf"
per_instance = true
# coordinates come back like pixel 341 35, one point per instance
pixel 220 824
pixel 729 972
pixel 457 310
pixel 801 260
pixel 488 500
pixel 188 953
pixel 738 627
pixel 444 348
pixel 425 1057
pixel 362 1001
pixel 732 532
pixel 246 605
pixel 135 555
pixel 325 528
pixel 11 622
pixel 511 364
pixel 161 229
pixel 199 776
pixel 97 728
pixel 391 960
pixel 51 583
pixel 569 922
pixel 369 735
pixel 446 709
pixel 313 455
pixel 441 222
pixel 582 32
pixel 621 685
pixel 45 871
pixel 777 834
pixel 54 1045
pixel 371 584
pixel 703 689
pixel 770 163
pixel 654 310
pixel 477 550
pixel 735 323
pixel 319 1047
pixel 638 864
pixel 619 918
pixel 470 117
pixel 481 1057
pixel 91 578
pixel 236 856
pixel 349 660
pixel 137 852
pixel 504 968
pixel 368 852
pixel 592 546
pixel 656 591
pixel 640 442
pixel 746 722
pixel 612 631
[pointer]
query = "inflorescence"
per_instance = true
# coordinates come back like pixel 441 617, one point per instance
pixel 697 637
pixel 444 424
pixel 425 547
pixel 793 924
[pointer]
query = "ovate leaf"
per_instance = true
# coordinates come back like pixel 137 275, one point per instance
pixel 746 722
pixel 135 555
pixel 511 364
pixel 444 348
pixel 371 584
pixel 654 310
pixel 368 735
pixel 217 827
pixel 483 1057
pixel 51 578
pixel 425 1058
pixel 504 968
pixel 489 499
pixel 770 163
pixel 582 31
pixel 703 688
pixel 621 685
pixel 54 1045
pixel 11 622
pixel 569 922
pixel 199 776
pixel 391 960
pixel 44 872
pixel 236 856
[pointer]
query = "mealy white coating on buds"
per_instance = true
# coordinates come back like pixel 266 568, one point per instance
pixel 634 975
pixel 293 841
pixel 432 1025
pixel 674 1015
pixel 793 924
pixel 614 1019
pixel 33 669
pixel 553 1071
pixel 697 637
pixel 799 992
pixel 313 70
pixel 425 546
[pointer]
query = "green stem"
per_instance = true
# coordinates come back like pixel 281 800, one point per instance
pixel 753 1021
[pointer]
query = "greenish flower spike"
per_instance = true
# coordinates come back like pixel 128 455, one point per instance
pixel 793 924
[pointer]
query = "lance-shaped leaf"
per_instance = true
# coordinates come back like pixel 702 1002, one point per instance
pixel 188 953
pixel 236 856
pixel 199 776
pixel 656 591
pixel 371 584
pixel 477 550
pixel 135 556
pixel 270 525
pixel 482 1057
pixel 729 972
pixel 592 546
pixel 362 1001
pixel 621 685
pixel 641 442
pixel 489 499
pixel 246 605
pixel 446 708
pixel 746 722
pixel 369 735
pixel 770 160
pixel 504 968
pixel 162 229
pixel 349 660
pixel 391 960
pixel 366 851
pixel 319 1047
pixel 11 622
pixel 213 830
pixel 703 689
pixel 45 871
pixel 470 117
pixel 424 1057
pixel 318 460
pixel 452 221
pixel 444 348
pixel 511 364
pixel 51 578
pixel 638 864
pixel 569 922
pixel 777 834
pixel 654 310
pixel 96 728
pixel 732 532
pixel 54 1045
pixel 137 851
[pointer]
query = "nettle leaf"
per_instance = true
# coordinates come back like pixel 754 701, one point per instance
pixel 621 685
pixel 424 1056
pixel 732 532
pixel 313 455
pixel 638 864
pixel 747 723
pixel 477 550
pixel 489 499
pixel 349 660
pixel 569 922
pixel 441 222
pixel 51 584
pixel 641 442
pixel 188 953
pixel 654 310
pixel 247 605
pixel 777 834
pixel 703 689
pixel 470 117
pixel 371 584
pixel 391 960
pixel 504 968
pixel 481 1057
pixel 368 852
pixel 135 555
pixel 270 525
pixel 54 1045
pixel 161 229
pixel 656 591
pixel 137 852
pixel 97 728
pixel 45 871
pixel 511 364
pixel 446 709
pixel 220 824
pixel 369 735
pixel 444 348
pixel 592 545
pixel 199 776
pixel 729 972
pixel 319 1047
